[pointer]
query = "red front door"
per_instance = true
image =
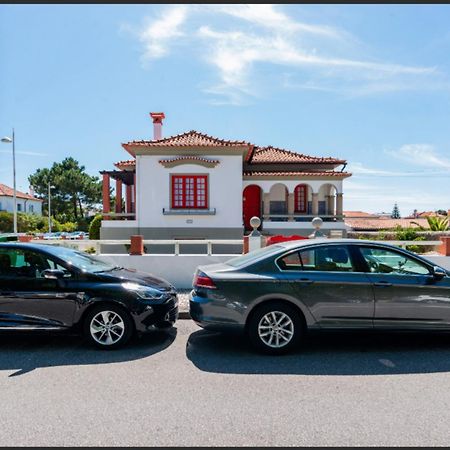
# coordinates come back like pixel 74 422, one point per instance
pixel 251 204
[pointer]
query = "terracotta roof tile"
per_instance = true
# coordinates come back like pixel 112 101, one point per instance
pixel 9 192
pixel 329 173
pixel 270 155
pixel 383 223
pixel 125 163
pixel 359 214
pixel 191 138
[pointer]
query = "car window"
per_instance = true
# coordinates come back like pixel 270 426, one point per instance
pixel 325 259
pixel 382 260
pixel 20 263
pixel 251 257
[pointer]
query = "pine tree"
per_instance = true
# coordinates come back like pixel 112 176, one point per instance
pixel 395 212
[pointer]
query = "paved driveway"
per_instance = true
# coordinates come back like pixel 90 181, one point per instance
pixel 191 387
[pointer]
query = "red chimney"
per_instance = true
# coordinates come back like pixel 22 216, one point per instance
pixel 157 124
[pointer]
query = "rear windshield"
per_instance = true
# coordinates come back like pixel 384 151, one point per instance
pixel 255 255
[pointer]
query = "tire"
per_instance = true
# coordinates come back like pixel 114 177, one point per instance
pixel 118 331
pixel 280 339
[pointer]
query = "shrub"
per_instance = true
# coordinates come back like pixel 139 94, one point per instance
pixel 68 227
pixel 94 227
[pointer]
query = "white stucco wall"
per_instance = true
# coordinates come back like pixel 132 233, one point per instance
pixel 178 270
pixel 154 192
pixel 7 204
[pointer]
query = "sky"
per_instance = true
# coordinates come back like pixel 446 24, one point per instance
pixel 366 83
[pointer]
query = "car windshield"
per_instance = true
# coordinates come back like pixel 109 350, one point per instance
pixel 253 256
pixel 80 260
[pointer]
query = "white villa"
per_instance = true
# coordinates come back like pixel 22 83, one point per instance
pixel 193 185
pixel 26 203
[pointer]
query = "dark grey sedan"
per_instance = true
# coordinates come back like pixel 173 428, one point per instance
pixel 278 292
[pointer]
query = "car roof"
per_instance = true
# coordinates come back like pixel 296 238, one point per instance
pixel 25 245
pixel 307 242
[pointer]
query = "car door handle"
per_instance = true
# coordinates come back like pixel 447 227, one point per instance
pixel 382 284
pixel 305 281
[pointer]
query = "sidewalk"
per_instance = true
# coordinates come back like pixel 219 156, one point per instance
pixel 183 304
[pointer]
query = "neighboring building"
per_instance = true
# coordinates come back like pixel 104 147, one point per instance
pixel 374 222
pixel 193 185
pixel 26 203
pixel 425 214
pixel 359 214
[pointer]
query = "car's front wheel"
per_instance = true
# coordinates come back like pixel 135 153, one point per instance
pixel 108 326
pixel 275 328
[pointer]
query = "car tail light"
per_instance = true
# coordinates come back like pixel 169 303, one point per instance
pixel 202 280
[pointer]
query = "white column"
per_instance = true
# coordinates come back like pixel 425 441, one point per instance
pixel 315 203
pixel 339 204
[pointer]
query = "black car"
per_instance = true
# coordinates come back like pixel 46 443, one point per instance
pixel 45 287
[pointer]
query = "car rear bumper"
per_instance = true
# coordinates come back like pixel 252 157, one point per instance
pixel 212 314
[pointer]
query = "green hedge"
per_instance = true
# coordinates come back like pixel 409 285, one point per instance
pixel 94 227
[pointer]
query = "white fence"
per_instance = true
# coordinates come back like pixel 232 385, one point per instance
pixel 206 243
pixel 86 244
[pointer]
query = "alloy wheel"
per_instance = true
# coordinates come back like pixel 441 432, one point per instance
pixel 107 327
pixel 276 329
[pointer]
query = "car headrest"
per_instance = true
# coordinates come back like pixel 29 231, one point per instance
pixel 5 260
pixel 338 255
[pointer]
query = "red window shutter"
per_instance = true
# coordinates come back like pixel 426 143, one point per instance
pixel 300 198
pixel 189 191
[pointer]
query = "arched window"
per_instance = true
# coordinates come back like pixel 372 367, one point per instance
pixel 300 198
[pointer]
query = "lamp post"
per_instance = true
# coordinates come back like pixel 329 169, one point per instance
pixel 8 140
pixel 49 214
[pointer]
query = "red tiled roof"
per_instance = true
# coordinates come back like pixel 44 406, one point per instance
pixel 6 191
pixel 383 223
pixel 329 173
pixel 190 139
pixel 256 155
pixel 359 214
pixel 126 163
pixel 270 155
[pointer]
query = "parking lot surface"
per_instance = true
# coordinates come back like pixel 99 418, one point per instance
pixel 191 387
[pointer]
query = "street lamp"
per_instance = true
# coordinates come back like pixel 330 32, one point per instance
pixel 49 215
pixel 8 140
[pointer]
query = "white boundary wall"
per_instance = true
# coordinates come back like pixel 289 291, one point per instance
pixel 176 269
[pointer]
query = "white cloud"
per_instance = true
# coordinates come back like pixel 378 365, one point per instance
pixel 358 169
pixel 268 17
pixel 26 153
pixel 423 155
pixel 377 197
pixel 159 34
pixel 265 34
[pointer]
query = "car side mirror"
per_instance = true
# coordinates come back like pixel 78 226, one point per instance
pixel 53 274
pixel 439 272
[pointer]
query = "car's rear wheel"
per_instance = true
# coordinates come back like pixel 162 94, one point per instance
pixel 108 327
pixel 275 328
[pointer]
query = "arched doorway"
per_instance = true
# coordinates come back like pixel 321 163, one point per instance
pixel 278 196
pixel 327 200
pixel 251 199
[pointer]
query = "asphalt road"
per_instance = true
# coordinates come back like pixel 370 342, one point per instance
pixel 191 387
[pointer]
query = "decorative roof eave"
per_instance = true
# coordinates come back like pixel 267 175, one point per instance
pixel 198 160
pixel 323 161
pixel 189 139
pixel 272 155
pixel 294 175
pixel 129 164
